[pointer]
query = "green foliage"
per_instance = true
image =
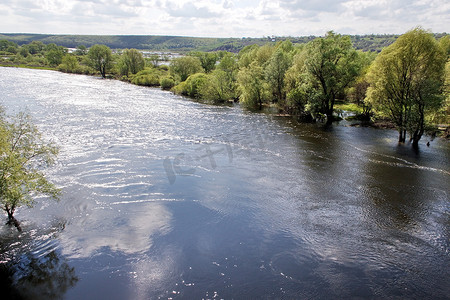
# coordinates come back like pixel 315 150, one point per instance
pixel 55 56
pixel 185 44
pixel 24 51
pixel 216 88
pixel 167 83
pixel 406 82
pixel 185 66
pixel 193 85
pixel 8 46
pixel 148 77
pixel 131 61
pixel 24 154
pixel 81 50
pixel 253 92
pixel 35 47
pixel 207 60
pixel 69 64
pixel 275 71
pixel 331 64
pixel 155 59
pixel 100 58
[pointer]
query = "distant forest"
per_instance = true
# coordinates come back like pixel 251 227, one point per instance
pixel 186 44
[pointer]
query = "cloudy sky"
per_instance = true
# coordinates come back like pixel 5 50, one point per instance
pixel 222 18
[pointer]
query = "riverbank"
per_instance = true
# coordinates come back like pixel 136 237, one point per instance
pixel 344 110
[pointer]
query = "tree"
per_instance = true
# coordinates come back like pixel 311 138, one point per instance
pixel 207 59
pixel 331 64
pixel 185 66
pixel 35 47
pixel 69 63
pixel 81 50
pixel 155 59
pixel 252 86
pixel 55 56
pixel 131 61
pixel 406 82
pixel 100 58
pixel 217 89
pixel 23 155
pixel 8 46
pixel 275 71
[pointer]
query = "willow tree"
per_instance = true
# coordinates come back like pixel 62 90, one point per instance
pixel 131 61
pixel 331 65
pixel 252 87
pixel 100 58
pixel 406 82
pixel 185 66
pixel 275 70
pixel 23 155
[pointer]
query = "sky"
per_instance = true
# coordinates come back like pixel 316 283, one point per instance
pixel 222 18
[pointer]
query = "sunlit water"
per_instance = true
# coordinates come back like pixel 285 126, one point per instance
pixel 164 197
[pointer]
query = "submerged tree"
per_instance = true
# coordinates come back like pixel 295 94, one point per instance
pixel 100 58
pixel 406 82
pixel 23 155
pixel 330 66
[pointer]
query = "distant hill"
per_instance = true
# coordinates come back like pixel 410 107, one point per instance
pixel 183 44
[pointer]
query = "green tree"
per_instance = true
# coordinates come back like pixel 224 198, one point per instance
pixel 24 153
pixel 275 71
pixel 330 66
pixel 35 47
pixel 24 51
pixel 155 59
pixel 207 59
pixel 81 50
pixel 100 58
pixel 54 56
pixel 131 61
pixel 8 46
pixel 229 65
pixel 216 88
pixel 406 81
pixel 252 86
pixel 185 66
pixel 69 63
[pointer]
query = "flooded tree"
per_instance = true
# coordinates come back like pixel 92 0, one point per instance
pixel 331 65
pixel 23 155
pixel 406 82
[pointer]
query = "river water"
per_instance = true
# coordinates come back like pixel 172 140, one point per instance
pixel 164 198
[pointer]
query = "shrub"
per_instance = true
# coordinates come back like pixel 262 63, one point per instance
pixel 167 82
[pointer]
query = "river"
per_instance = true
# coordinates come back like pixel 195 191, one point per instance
pixel 164 197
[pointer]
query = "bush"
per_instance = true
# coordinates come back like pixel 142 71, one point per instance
pixel 194 84
pixel 167 83
pixel 146 80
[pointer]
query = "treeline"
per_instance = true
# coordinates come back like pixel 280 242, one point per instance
pixel 185 44
pixel 407 83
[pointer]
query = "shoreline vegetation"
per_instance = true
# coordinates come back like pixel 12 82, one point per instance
pixel 320 79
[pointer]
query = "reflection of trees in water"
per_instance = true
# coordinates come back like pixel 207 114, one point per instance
pixel 45 277
pixel 48 277
pixel 30 272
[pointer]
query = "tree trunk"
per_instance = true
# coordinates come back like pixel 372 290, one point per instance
pixel 11 219
pixel 329 111
pixel 401 136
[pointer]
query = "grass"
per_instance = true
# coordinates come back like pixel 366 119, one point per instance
pixel 353 107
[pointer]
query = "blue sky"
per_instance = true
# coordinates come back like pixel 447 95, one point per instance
pixel 222 18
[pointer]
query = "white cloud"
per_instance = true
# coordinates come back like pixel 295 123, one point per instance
pixel 222 18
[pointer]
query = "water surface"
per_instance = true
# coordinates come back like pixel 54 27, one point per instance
pixel 168 198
